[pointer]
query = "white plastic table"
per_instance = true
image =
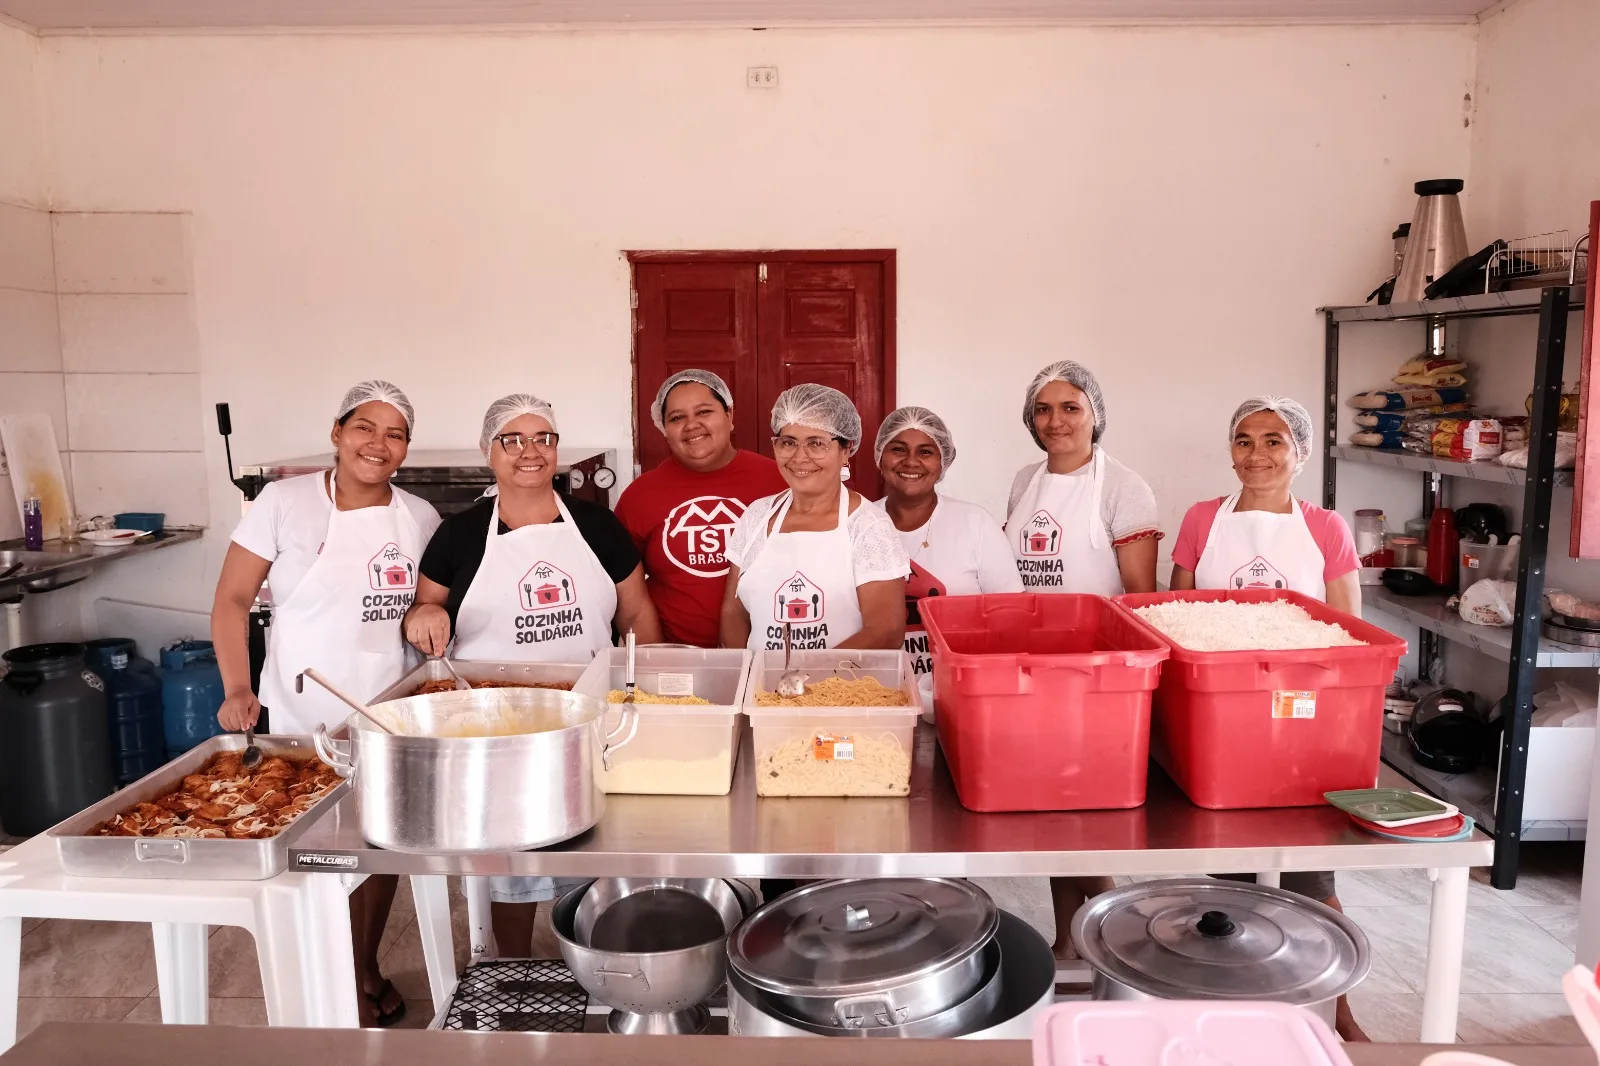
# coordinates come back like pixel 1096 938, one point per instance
pixel 300 923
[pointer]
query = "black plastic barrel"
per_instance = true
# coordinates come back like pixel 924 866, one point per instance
pixel 133 700
pixel 55 737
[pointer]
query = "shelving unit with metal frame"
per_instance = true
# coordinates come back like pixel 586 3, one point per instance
pixel 1522 648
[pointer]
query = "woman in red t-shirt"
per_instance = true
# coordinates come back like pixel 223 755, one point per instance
pixel 680 513
pixel 1261 537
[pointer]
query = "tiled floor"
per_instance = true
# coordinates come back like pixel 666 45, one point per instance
pixel 1518 945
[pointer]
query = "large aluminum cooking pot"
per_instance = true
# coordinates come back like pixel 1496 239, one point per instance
pixel 1027 985
pixel 457 794
pixel 881 952
pixel 653 990
pixel 1196 938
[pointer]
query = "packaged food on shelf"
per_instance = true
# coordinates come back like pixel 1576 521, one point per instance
pixel 1406 399
pixel 688 703
pixel 1567 412
pixel 1566 453
pixel 1514 431
pixel 1433 372
pixel 1402 421
pixel 1489 602
pixel 1372 438
pixel 1254 727
pixel 843 738
pixel 1467 440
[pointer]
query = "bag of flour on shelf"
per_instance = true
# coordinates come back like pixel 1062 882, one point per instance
pixel 1432 372
pixel 1467 440
pixel 1375 438
pixel 1406 399
pixel 1403 421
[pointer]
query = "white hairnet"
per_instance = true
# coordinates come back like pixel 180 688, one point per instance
pixel 920 418
pixel 1301 429
pixel 383 392
pixel 507 408
pixel 819 407
pixel 718 387
pixel 1073 374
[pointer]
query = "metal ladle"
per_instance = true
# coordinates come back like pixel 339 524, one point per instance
pixel 792 683
pixel 361 708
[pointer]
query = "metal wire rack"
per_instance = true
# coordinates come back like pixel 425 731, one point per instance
pixel 1553 258
pixel 516 996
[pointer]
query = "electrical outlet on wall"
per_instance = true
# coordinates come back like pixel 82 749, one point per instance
pixel 761 77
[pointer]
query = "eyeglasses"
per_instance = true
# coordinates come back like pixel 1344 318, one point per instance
pixel 514 444
pixel 816 447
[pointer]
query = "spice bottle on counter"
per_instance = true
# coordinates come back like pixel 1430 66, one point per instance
pixel 32 524
pixel 1443 548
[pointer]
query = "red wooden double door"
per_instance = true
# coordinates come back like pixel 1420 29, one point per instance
pixel 764 321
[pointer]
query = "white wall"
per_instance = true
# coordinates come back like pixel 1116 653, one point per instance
pixel 21 126
pixel 1169 205
pixel 1535 156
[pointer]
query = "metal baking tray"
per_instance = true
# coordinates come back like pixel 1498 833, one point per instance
pixel 1567 621
pixel 526 673
pixel 187 859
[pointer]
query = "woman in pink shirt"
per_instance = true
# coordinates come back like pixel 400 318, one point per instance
pixel 1261 537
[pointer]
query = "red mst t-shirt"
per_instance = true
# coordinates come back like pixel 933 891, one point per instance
pixel 680 521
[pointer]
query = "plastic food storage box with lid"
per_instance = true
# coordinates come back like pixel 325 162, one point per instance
pixel 1043 700
pixel 1263 728
pixel 833 750
pixel 679 749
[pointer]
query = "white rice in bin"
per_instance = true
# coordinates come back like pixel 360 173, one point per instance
pixel 1226 625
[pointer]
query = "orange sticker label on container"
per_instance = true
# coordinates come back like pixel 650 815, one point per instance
pixel 1293 703
pixel 826 747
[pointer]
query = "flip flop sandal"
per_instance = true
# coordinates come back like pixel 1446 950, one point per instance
pixel 392 1018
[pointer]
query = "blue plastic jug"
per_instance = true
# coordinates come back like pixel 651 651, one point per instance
pixel 191 695
pixel 133 698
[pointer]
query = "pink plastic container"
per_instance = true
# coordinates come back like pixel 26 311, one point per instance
pixel 1181 1033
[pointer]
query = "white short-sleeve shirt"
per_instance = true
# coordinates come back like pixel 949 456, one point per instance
pixel 287 522
pixel 964 548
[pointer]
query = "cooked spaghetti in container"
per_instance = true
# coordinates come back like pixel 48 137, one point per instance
pixel 688 702
pixel 849 735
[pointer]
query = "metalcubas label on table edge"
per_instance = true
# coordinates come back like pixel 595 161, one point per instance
pixel 326 862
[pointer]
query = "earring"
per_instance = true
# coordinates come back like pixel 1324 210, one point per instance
pixel 844 474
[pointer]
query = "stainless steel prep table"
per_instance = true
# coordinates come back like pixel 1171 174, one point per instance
pixel 110 1044
pixel 929 833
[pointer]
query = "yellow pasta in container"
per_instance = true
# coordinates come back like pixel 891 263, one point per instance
pixel 849 735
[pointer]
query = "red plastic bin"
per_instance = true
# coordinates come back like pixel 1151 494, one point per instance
pixel 1232 733
pixel 1043 701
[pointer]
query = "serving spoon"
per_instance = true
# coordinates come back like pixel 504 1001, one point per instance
pixel 792 683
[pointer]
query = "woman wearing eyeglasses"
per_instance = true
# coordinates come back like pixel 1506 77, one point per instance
pixel 816 558
pixel 527 575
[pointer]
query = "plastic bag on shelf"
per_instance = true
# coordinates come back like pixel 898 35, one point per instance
pixel 1565 705
pixel 1406 399
pixel 1489 603
pixel 1467 440
pixel 1432 372
pixel 1566 453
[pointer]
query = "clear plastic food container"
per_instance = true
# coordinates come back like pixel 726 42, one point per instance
pixel 679 749
pixel 833 750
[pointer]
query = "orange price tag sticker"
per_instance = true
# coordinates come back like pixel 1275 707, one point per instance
pixel 1294 703
pixel 826 747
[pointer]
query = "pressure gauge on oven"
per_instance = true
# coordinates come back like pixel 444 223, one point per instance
pixel 605 477
pixel 576 479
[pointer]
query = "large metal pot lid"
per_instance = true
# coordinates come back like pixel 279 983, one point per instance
pixel 839 938
pixel 1204 939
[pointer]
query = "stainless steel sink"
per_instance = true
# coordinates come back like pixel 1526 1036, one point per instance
pixel 31 559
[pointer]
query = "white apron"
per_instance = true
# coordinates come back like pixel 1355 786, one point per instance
pixel 540 595
pixel 1058 537
pixel 343 618
pixel 806 580
pixel 1261 550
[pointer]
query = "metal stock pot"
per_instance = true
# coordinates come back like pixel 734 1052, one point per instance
pixel 1196 938
pixel 439 794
